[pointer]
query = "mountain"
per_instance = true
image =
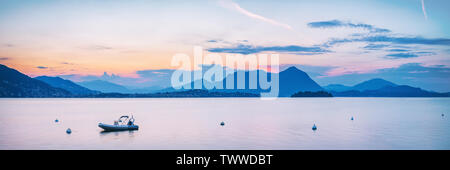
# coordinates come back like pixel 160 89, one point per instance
pixel 104 86
pixel 15 84
pixel 293 80
pixel 372 84
pixel 391 91
pixel 380 88
pixel 337 87
pixel 68 85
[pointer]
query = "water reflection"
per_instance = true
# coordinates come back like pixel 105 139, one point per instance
pixel 408 123
pixel 130 133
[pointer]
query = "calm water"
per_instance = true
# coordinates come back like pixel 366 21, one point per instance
pixel 380 123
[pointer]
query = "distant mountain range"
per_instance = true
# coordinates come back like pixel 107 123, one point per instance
pixel 293 82
pixel 372 84
pixel 104 86
pixel 108 87
pixel 391 91
pixel 380 88
pixel 68 85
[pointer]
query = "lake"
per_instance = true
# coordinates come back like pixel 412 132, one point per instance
pixel 250 123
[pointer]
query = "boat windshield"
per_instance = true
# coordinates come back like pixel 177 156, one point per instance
pixel 123 119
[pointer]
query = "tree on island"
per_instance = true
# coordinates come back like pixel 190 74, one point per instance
pixel 312 94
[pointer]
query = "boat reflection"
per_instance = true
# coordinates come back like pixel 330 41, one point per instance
pixel 117 133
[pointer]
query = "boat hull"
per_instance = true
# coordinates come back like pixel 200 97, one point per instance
pixel 107 127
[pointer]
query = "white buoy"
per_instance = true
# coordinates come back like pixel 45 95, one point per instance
pixel 222 123
pixel 314 127
pixel 68 131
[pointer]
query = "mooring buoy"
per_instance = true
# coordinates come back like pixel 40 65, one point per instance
pixel 314 127
pixel 68 131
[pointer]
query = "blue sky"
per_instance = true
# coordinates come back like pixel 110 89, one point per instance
pixel 334 41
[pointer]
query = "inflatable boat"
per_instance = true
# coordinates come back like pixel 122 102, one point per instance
pixel 126 124
pixel 107 127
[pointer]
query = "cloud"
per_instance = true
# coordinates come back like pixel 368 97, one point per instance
pixel 8 45
pixel 212 41
pixel 97 47
pixel 241 10
pixel 66 63
pixel 398 50
pixel 409 40
pixel 4 58
pixel 41 67
pixel 401 55
pixel 248 49
pixel 423 10
pixel 337 23
pixel 409 55
pixel 155 73
pixel 394 40
pixel 375 46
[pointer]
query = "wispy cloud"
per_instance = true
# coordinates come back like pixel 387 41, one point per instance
pixel 212 41
pixel 241 10
pixel 8 45
pixel 423 10
pixel 42 67
pixel 248 49
pixel 97 47
pixel 4 58
pixel 401 55
pixel 375 46
pixel 338 23
pixel 408 55
pixel 398 50
pixel 395 40
pixel 66 63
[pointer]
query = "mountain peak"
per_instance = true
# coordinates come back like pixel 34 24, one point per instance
pixel 293 80
pixel 373 84
pixel 337 87
pixel 295 71
pixel 293 68
pixel 380 81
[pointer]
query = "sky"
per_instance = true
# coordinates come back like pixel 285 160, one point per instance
pixel 132 42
